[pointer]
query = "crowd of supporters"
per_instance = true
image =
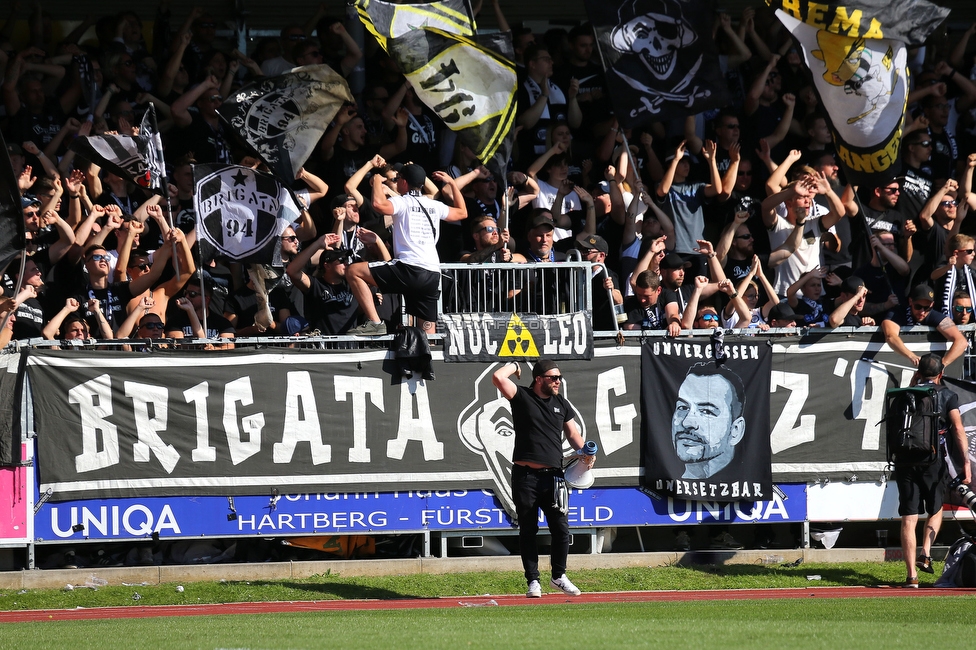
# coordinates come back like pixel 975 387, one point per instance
pixel 738 218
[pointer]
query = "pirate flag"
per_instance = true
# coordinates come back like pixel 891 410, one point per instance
pixel 241 212
pixel 137 159
pixel 470 87
pixel 659 57
pixel 857 52
pixel 386 20
pixel 282 118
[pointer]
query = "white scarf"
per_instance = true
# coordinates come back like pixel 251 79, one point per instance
pixel 556 96
pixel 949 288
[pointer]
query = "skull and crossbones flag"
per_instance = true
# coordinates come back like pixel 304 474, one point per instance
pixel 282 118
pixel 241 213
pixel 857 52
pixel 659 58
pixel 138 159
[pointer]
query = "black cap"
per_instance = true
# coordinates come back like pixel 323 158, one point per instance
pixel 543 219
pixel 923 292
pixel 341 200
pixel 674 261
pixel 593 241
pixel 783 311
pixel 414 175
pixel 851 285
pixel 542 366
pixel 333 255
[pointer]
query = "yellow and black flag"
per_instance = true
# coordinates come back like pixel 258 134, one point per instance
pixel 470 87
pixel 386 20
pixel 857 52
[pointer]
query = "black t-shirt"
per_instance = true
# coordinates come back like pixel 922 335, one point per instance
pixel 28 320
pixel 112 300
pixel 903 317
pixel 208 144
pixel 39 128
pixel 603 313
pixel 178 321
pixel 330 308
pixel 648 318
pixel 916 188
pixel 539 427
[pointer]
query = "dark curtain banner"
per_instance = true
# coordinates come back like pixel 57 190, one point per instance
pixel 11 214
pixel 705 425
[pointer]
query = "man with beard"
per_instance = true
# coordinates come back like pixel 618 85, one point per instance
pixel 880 213
pixel 919 311
pixel 487 290
pixel 330 307
pixel 542 289
pixel 541 417
pixel 736 246
pixel 708 423
pixel 201 130
pixel 940 218
pixel 916 183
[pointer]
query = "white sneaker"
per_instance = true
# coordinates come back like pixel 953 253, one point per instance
pixel 564 585
pixel 535 590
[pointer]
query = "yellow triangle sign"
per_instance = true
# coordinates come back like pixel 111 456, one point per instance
pixel 518 340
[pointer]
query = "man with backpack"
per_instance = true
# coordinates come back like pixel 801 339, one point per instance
pixel 917 426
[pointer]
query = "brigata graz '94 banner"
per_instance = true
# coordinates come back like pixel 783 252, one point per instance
pixel 242 423
pixel 705 425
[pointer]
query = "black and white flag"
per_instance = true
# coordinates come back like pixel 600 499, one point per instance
pixel 11 214
pixel 966 391
pixel 858 54
pixel 137 159
pixel 660 59
pixel 386 20
pixel 470 87
pixel 241 212
pixel 705 429
pixel 283 118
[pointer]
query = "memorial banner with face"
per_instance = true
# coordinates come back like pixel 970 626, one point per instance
pixel 705 425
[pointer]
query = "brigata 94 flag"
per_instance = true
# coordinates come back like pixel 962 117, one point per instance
pixel 705 422
pixel 857 52
pixel 283 118
pixel 660 59
pixel 240 212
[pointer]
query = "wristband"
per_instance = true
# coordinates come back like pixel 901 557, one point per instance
pixel 516 363
pixel 74 196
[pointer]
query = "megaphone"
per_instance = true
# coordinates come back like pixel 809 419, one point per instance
pixel 578 474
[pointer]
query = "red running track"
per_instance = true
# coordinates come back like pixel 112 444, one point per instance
pixel 136 611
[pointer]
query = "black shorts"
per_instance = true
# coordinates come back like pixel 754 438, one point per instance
pixel 420 287
pixel 921 488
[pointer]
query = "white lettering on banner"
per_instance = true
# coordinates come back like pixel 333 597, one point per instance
pixel 335 496
pixel 572 334
pixel 359 388
pixel 710 510
pixel 705 489
pixel 420 428
pixel 448 516
pixel 784 434
pixel 301 421
pixel 312 520
pixel 868 384
pixel 146 397
pixel 236 391
pixel 94 399
pixel 744 351
pixel 137 519
pixel 613 437
pixel 204 452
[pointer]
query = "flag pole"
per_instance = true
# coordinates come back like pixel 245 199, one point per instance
pixel 164 180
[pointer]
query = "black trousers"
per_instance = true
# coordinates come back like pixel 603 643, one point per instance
pixel 533 489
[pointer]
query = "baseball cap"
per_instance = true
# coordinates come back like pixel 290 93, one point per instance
pixel 28 200
pixel 923 292
pixel 333 255
pixel 414 175
pixel 541 220
pixel 783 311
pixel 674 261
pixel 593 241
pixel 543 366
pixel 341 200
pixel 851 284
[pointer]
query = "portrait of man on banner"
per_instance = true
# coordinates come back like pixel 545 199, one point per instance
pixel 705 426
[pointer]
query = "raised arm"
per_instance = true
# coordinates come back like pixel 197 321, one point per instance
pixel 501 379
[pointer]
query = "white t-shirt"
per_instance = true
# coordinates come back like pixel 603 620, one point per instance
pixel 414 235
pixel 806 257
pixel 547 196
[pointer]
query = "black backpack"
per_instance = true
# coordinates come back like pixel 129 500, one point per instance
pixel 913 418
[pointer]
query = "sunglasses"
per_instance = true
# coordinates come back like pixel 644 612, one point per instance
pixel 892 190
pixel 731 126
pixel 959 309
pixel 291 238
pixel 192 294
pixel 31 213
pixel 949 204
pixel 745 236
pixel 966 251
pixel 153 326
pixel 553 377
pixel 920 307
pixel 490 229
pixel 141 267
pixel 98 258
pixel 128 63
pixel 216 98
pixel 924 143
pixel 296 37
pixel 709 318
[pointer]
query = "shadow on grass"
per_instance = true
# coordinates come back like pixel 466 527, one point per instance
pixel 829 574
pixel 340 591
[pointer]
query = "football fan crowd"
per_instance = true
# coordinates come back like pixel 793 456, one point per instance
pixel 737 218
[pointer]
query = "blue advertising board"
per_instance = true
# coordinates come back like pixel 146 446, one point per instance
pixel 377 512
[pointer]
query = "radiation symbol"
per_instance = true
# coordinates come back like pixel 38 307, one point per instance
pixel 518 340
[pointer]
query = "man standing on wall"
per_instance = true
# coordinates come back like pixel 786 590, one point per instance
pixel 541 416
